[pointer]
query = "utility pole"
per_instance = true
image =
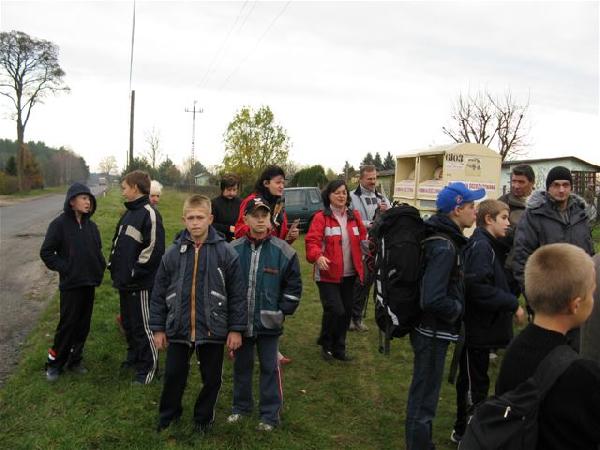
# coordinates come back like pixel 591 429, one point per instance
pixel 130 159
pixel 194 111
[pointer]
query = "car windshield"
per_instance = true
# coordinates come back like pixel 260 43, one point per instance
pixel 294 198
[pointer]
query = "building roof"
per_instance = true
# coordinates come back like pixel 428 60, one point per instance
pixel 541 160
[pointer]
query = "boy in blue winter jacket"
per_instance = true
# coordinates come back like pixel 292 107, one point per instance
pixel 489 308
pixel 198 303
pixel 271 272
pixel 73 248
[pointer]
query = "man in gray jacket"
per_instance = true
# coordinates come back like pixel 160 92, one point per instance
pixel 556 215
pixel 369 203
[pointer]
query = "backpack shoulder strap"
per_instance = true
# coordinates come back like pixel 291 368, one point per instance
pixel 553 366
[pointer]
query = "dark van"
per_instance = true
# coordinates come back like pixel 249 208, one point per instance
pixel 301 203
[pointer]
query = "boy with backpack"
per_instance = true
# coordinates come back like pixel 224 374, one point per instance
pixel 198 304
pixel 73 248
pixel 547 397
pixel 271 272
pixel 137 247
pixel 489 308
pixel 441 301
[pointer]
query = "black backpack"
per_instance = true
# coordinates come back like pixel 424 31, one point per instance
pixel 395 248
pixel 510 421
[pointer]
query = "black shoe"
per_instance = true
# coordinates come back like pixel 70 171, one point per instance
pixel 343 357
pixel 52 374
pixel 326 355
pixel 203 428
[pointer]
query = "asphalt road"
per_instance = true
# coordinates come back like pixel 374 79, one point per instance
pixel 26 285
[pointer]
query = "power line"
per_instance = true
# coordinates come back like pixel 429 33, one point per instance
pixel 249 54
pixel 218 53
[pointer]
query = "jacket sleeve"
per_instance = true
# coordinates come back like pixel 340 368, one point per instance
pixel 237 302
pixel 158 302
pixel 292 287
pixel 481 290
pixel 314 239
pixel 441 258
pixel 97 232
pixel 362 234
pixel 153 242
pixel 50 248
pixel 526 242
pixel 241 229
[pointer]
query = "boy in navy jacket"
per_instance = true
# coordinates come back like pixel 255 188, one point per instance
pixel 73 248
pixel 137 247
pixel 198 303
pixel 271 272
pixel 489 308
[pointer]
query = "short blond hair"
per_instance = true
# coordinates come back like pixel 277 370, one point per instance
pixel 155 187
pixel 555 274
pixel 197 201
pixel 490 208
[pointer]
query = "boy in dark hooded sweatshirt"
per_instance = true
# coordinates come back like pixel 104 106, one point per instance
pixel 72 247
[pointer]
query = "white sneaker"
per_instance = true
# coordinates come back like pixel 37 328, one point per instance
pixel 264 427
pixel 455 437
pixel 234 418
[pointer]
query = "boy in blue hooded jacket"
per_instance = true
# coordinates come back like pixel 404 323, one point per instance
pixel 73 248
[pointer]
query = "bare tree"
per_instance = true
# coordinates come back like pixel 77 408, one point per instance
pixel 30 71
pixel 485 119
pixel 153 154
pixel 108 164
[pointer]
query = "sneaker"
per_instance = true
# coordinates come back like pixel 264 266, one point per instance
pixel 360 326
pixel 234 418
pixel 352 326
pixel 455 437
pixel 326 355
pixel 264 427
pixel 52 374
pixel 493 356
pixel 79 369
pixel 203 428
pixel 284 360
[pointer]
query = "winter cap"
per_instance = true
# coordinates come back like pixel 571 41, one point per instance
pixel 456 194
pixel 254 204
pixel 558 173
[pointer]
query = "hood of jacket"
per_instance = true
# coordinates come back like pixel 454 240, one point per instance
pixel 75 190
pixel 540 202
pixel 442 223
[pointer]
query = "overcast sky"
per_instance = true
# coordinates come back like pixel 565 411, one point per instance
pixel 342 78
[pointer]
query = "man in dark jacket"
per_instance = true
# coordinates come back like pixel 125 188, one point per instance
pixel 489 308
pixel 137 247
pixel 271 272
pixel 556 215
pixel 442 303
pixel 72 247
pixel 522 183
pixel 198 303
pixel 226 207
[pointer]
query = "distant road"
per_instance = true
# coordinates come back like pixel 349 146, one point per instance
pixel 26 285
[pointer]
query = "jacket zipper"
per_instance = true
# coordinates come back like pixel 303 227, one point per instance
pixel 193 296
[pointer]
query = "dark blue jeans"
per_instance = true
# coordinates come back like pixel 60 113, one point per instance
pixel 424 393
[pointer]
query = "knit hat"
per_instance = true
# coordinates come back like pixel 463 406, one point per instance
pixel 456 194
pixel 558 173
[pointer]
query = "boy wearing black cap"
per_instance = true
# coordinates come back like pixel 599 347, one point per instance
pixel 73 248
pixel 442 304
pixel 556 215
pixel 271 272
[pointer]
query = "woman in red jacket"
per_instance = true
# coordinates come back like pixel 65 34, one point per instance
pixel 269 187
pixel 333 245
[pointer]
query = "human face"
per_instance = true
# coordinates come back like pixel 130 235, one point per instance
pixel 560 190
pixel 499 226
pixel 130 193
pixel 197 221
pixel 520 186
pixel 465 215
pixel 368 180
pixel 259 222
pixel 154 199
pixel 81 203
pixel 339 197
pixel 275 185
pixel 230 192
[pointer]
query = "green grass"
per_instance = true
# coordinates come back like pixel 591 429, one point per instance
pixel 38 192
pixel 357 405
